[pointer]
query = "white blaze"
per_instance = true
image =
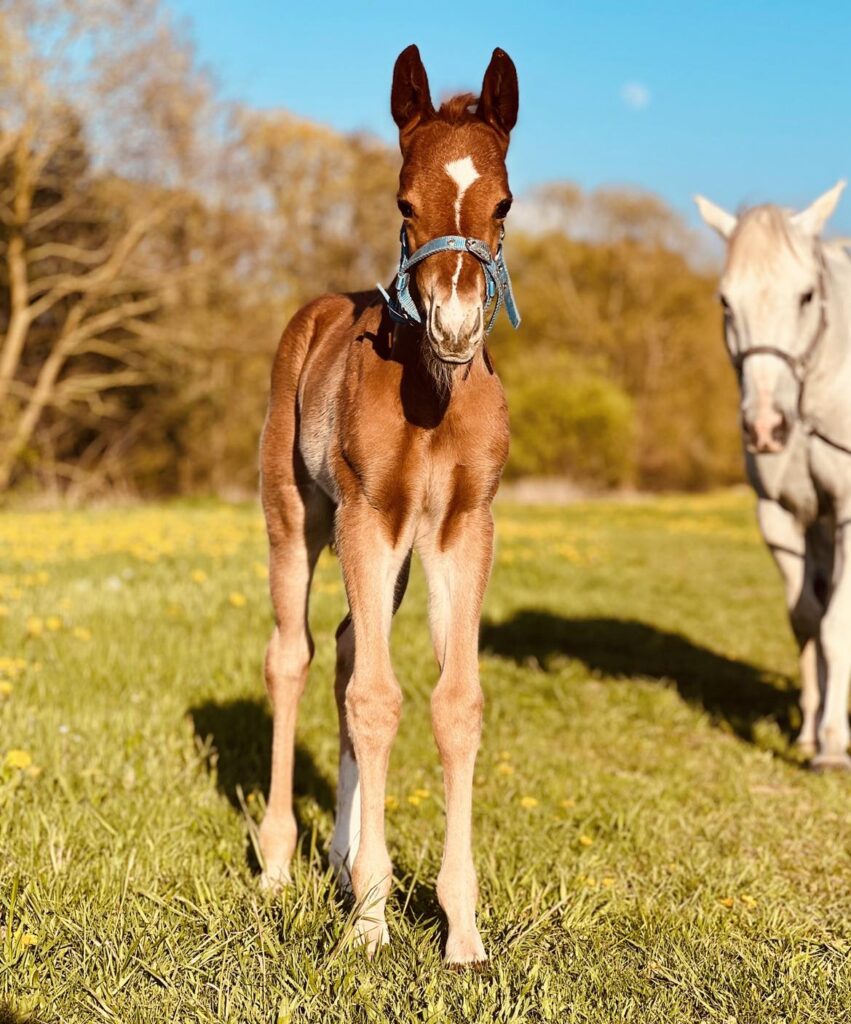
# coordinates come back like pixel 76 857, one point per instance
pixel 463 172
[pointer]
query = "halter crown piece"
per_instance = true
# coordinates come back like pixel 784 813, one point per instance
pixel 403 309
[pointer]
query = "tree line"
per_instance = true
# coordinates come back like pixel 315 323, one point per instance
pixel 154 239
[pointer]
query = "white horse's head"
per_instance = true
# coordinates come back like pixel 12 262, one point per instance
pixel 772 293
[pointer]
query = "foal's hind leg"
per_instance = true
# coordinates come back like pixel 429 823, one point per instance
pixel 457 573
pixel 298 523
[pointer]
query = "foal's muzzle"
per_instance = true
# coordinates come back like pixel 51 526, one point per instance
pixel 454 331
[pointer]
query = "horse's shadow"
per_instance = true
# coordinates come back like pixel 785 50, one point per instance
pixel 731 691
pixel 239 736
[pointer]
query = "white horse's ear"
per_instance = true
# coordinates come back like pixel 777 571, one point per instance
pixel 814 218
pixel 719 220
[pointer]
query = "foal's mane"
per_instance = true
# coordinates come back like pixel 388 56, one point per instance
pixel 460 109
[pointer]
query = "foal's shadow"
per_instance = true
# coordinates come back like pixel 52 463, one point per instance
pixel 240 736
pixel 730 691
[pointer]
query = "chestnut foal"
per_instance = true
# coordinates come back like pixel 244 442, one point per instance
pixel 387 430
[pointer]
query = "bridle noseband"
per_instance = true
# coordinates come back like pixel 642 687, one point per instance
pixel 799 365
pixel 403 309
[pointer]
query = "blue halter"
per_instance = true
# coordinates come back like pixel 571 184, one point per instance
pixel 402 308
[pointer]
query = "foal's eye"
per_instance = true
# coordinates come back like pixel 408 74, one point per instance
pixel 405 207
pixel 725 305
pixel 807 298
pixel 502 208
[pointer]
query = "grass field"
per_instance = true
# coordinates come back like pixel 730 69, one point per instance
pixel 649 847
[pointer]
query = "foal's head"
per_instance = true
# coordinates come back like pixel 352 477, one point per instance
pixel 453 182
pixel 772 293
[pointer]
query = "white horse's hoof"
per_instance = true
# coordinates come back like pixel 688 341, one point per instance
pixel 806 747
pixel 831 763
pixel 465 950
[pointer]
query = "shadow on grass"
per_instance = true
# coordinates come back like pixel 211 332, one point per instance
pixel 731 691
pixel 241 735
pixel 8 1015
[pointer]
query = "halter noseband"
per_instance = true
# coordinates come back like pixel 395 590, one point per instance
pixel 403 309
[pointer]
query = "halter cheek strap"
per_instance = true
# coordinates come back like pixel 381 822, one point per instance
pixel 403 309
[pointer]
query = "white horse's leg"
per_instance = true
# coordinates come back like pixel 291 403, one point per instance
pixel 833 731
pixel 786 539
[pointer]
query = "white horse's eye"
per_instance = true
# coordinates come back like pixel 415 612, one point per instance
pixel 807 297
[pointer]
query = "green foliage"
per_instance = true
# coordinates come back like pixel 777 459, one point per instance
pixel 571 424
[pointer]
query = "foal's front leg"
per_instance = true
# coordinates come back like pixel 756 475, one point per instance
pixel 457 562
pixel 371 563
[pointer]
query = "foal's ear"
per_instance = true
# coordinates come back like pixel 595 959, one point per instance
pixel 500 94
pixel 814 218
pixel 410 100
pixel 719 220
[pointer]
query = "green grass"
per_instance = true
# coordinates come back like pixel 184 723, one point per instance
pixel 649 848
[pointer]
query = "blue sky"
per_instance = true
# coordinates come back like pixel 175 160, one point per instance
pixel 741 101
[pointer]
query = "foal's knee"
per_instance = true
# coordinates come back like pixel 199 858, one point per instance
pixel 287 663
pixel 456 714
pixel 373 711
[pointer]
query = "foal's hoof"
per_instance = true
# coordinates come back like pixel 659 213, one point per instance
pixel 831 763
pixel 273 881
pixel 371 934
pixel 465 951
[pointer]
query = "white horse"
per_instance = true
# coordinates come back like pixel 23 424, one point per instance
pixel 786 296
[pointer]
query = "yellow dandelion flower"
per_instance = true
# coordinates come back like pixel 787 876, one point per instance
pixel 414 800
pixel 390 802
pixel 5 688
pixel 423 794
pixel 504 768
pixel 608 882
pixel 35 626
pixel 727 902
pixel 237 600
pixel 586 841
pixel 29 939
pixel 591 882
pixel 4 611
pixel 198 575
pixel 53 623
pixel 81 633
pixel 18 759
pixel 261 571
pixel 505 755
pixel 748 901
pixel 528 802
